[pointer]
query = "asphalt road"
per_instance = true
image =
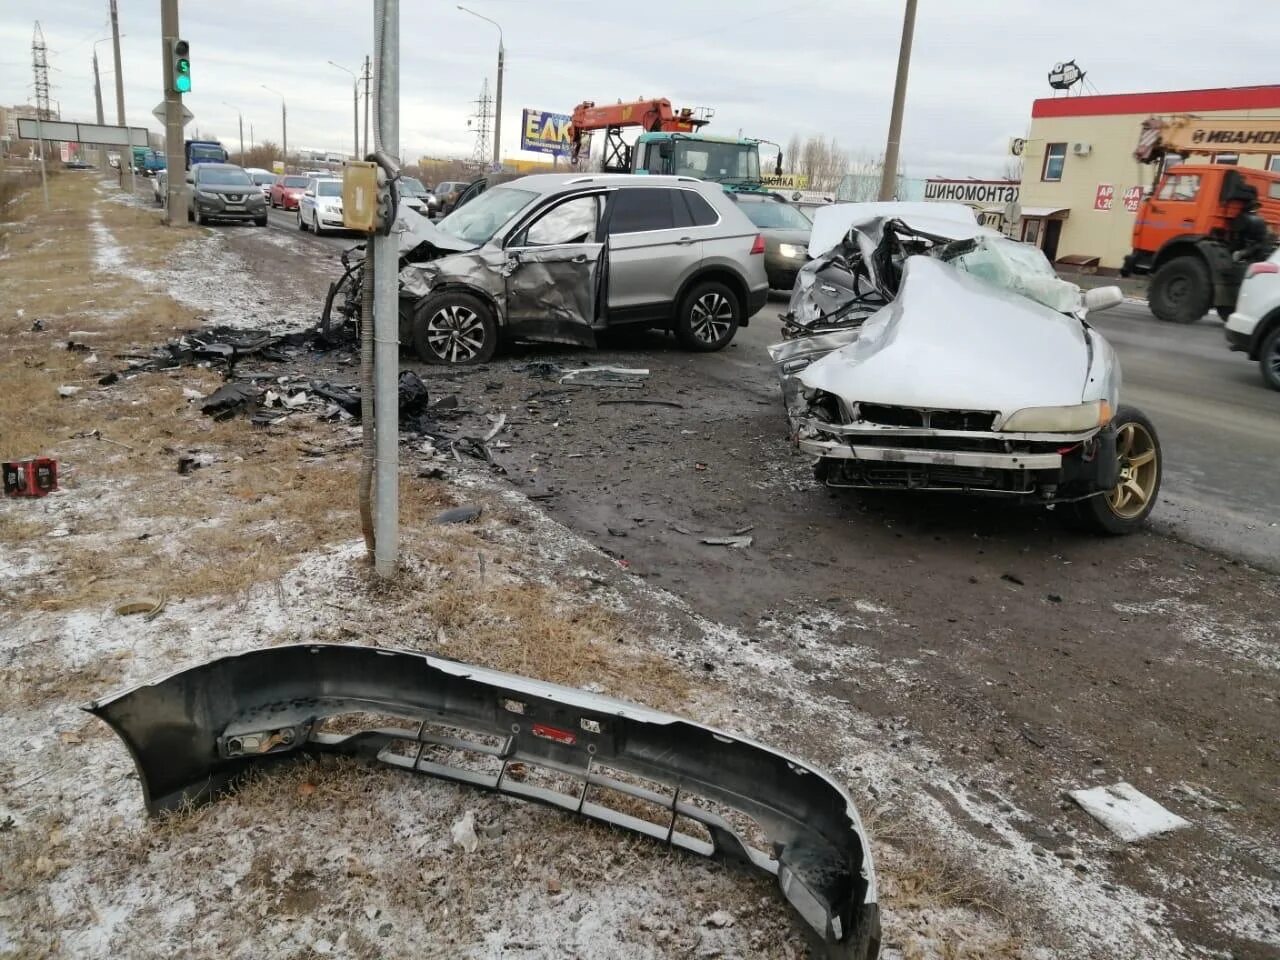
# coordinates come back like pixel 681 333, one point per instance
pixel 1218 425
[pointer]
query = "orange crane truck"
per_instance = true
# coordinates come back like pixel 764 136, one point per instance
pixel 1201 226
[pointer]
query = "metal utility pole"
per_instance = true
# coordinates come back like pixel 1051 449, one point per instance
pixel 284 127
pixel 97 102
pixel 240 116
pixel 367 79
pixel 175 177
pixel 386 321
pixel 355 107
pixel 889 175
pixel 497 105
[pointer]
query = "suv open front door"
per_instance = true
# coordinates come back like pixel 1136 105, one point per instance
pixel 553 273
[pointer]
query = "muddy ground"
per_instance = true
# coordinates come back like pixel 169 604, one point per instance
pixel 957 664
pixel 1033 658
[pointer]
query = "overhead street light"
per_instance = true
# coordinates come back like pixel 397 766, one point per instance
pixel 284 126
pixel 497 108
pixel 355 108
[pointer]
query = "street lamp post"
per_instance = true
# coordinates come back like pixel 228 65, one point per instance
pixel 240 116
pixel 889 174
pixel 97 100
pixel 284 126
pixel 355 109
pixel 497 107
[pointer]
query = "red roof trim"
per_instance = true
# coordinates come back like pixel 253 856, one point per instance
pixel 1174 101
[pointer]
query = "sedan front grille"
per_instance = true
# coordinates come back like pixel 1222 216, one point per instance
pixel 234 197
pixel 894 416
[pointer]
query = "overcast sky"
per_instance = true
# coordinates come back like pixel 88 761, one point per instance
pixel 771 69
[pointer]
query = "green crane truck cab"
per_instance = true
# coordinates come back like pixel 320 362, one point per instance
pixel 733 162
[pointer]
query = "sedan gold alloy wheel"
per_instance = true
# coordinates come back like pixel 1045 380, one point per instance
pixel 1136 449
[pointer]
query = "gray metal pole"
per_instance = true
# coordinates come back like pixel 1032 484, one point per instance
pixel 355 121
pixel 97 89
pixel 284 133
pixel 241 116
pixel 97 101
pixel 367 78
pixel 44 183
pixel 386 322
pixel 889 175
pixel 174 150
pixel 497 107
pixel 115 46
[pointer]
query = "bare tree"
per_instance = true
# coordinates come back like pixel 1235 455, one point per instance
pixel 791 161
pixel 824 163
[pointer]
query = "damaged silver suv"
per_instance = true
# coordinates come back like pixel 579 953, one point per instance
pixel 560 258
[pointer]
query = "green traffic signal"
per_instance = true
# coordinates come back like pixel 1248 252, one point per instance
pixel 181 67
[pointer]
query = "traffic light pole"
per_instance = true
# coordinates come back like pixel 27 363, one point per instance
pixel 386 313
pixel 175 154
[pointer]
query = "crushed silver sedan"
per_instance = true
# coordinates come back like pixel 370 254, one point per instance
pixel 925 352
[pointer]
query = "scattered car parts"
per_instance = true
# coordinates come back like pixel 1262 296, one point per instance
pixel 194 733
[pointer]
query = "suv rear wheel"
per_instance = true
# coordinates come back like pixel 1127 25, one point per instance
pixel 1181 290
pixel 708 316
pixel 454 328
pixel 1269 358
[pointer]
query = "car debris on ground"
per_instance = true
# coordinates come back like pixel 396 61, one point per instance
pixel 190 747
pixel 1127 812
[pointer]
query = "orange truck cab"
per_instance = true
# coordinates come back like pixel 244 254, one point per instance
pixel 1197 232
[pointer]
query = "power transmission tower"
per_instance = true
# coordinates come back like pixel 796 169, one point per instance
pixel 40 67
pixel 481 121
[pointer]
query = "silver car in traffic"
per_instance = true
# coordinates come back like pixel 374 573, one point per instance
pixel 561 258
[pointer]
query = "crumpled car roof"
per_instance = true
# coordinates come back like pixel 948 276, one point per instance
pixel 832 224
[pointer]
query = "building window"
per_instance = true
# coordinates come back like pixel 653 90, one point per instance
pixel 1171 160
pixel 1031 231
pixel 1055 157
pixel 1273 163
pixel 1230 159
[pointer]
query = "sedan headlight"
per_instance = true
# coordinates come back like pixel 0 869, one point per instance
pixel 1074 419
pixel 793 251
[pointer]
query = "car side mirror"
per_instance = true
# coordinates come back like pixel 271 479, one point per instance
pixel 308 194
pixel 777 167
pixel 1103 298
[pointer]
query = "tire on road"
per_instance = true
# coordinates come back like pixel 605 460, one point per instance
pixel 1181 290
pixel 315 224
pixel 708 317
pixel 1125 508
pixel 261 221
pixel 454 328
pixel 302 224
pixel 1269 358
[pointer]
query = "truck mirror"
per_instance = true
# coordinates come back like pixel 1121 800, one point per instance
pixel 666 149
pixel 777 167
pixel 1234 187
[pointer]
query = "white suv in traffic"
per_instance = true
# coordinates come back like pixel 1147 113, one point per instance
pixel 320 206
pixel 1254 327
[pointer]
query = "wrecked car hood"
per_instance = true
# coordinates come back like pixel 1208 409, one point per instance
pixel 413 230
pixel 832 224
pixel 195 733
pixel 953 341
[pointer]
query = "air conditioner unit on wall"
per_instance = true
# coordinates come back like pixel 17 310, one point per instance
pixel 1081 149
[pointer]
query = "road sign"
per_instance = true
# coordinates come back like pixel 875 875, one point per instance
pixel 81 132
pixel 159 113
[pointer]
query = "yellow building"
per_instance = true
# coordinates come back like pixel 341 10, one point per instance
pixel 1080 182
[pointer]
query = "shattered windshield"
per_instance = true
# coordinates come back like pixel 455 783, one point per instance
pixel 480 219
pixel 1017 267
pixel 711 160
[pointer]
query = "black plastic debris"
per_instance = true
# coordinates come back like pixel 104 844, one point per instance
pixel 108 380
pixel 413 394
pixel 542 369
pixel 469 514
pixel 230 399
pixel 37 326
pixel 477 448
pixel 347 398
pixel 75 346
pixel 187 464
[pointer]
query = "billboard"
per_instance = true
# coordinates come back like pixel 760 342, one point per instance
pixel 972 191
pixel 544 132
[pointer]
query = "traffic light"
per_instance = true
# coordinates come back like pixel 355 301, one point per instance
pixel 181 67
